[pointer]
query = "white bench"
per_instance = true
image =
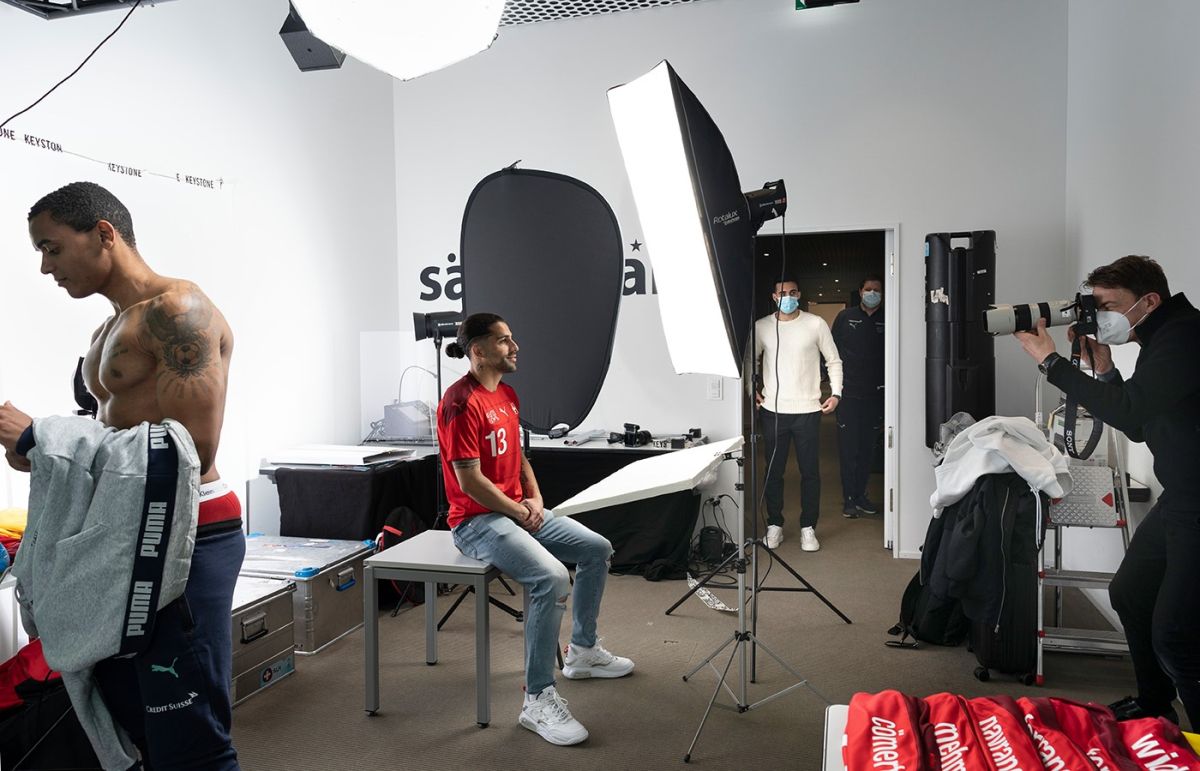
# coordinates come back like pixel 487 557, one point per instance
pixel 432 558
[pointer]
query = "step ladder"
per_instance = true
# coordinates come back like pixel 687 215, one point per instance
pixel 1100 498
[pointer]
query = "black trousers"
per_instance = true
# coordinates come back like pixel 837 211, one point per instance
pixel 1156 592
pixel 780 432
pixel 859 423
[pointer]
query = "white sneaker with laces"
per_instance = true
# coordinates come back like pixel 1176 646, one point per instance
pixel 547 715
pixel 581 663
pixel 808 539
pixel 774 536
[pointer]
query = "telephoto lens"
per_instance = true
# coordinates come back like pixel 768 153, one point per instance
pixel 1006 319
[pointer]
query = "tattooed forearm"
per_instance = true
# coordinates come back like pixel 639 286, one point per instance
pixel 465 463
pixel 186 351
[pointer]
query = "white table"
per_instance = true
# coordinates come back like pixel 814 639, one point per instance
pixel 430 557
pixel 835 728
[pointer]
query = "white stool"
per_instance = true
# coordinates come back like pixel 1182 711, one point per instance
pixel 430 557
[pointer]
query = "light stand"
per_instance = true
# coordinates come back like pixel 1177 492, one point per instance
pixel 436 327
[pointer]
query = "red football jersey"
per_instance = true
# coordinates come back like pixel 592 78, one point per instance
pixel 474 422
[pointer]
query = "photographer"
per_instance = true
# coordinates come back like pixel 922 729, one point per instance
pixel 1156 590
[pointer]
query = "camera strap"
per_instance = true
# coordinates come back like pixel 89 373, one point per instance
pixel 1071 412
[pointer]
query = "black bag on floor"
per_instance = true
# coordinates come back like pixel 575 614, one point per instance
pixel 43 733
pixel 401 524
pixel 927 618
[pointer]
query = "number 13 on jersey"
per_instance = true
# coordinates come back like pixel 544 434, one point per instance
pixel 498 440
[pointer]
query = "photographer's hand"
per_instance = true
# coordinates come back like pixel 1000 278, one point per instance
pixel 1038 343
pixel 1096 355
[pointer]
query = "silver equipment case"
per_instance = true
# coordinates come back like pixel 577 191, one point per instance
pixel 263 641
pixel 328 602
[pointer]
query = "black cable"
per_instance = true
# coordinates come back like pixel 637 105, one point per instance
pixel 77 69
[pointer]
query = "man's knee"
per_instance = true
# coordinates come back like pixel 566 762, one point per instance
pixel 1123 595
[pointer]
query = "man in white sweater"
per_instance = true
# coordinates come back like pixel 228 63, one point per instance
pixel 789 344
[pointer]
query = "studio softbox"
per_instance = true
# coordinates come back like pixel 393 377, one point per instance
pixel 544 252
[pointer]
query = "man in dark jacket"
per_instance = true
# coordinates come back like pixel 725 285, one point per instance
pixel 1156 591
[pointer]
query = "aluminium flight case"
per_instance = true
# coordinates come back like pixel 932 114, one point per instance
pixel 328 602
pixel 263 639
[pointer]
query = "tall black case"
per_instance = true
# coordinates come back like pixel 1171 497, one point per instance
pixel 1009 645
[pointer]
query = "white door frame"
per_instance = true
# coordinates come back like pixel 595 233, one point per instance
pixel 891 376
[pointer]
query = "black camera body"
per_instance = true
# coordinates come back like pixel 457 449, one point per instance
pixel 1085 315
pixel 634 436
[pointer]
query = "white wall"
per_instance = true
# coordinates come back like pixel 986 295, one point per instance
pixel 1133 165
pixel 298 248
pixel 937 115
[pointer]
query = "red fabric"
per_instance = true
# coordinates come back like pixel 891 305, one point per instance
pixel 10 544
pixel 475 423
pixel 1156 744
pixel 1057 750
pixel 221 509
pixel 1001 727
pixel 885 731
pixel 28 664
pixel 958 745
pixel 1093 729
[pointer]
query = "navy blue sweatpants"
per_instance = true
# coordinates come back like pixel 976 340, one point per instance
pixel 173 698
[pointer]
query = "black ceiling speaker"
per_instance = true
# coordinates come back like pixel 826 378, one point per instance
pixel 802 4
pixel 309 51
pixel 544 252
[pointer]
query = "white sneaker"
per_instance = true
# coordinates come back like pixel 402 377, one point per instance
pixel 808 539
pixel 548 716
pixel 775 536
pixel 581 663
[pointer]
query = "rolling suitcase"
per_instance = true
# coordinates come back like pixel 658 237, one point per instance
pixel 1008 642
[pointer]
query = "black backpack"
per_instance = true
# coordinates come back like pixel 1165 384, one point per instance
pixel 401 524
pixel 926 618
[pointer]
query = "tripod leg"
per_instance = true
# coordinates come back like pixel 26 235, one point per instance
pixel 519 615
pixel 720 682
pixel 803 680
pixel 702 583
pixel 808 587
pixel 710 657
pixel 454 607
pixel 507 588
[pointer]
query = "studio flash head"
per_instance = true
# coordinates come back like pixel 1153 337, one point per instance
pixel 1006 319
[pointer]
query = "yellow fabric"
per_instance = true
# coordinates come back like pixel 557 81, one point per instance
pixel 1194 740
pixel 12 522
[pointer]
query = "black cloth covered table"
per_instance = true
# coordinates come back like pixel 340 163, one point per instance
pixel 351 504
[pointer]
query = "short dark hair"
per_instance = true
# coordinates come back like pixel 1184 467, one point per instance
pixel 472 327
pixel 80 205
pixel 870 277
pixel 1135 272
pixel 786 278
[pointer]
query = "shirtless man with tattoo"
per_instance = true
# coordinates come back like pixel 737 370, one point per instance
pixel 164 353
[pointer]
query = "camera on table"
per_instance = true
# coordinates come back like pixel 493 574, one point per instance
pixel 1006 319
pixel 634 436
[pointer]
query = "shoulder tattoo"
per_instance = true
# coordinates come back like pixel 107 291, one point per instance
pixel 181 332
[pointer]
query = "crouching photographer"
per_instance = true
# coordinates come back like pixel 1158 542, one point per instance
pixel 1156 590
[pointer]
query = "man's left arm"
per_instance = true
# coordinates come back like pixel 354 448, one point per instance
pixel 181 333
pixel 833 365
pixel 529 488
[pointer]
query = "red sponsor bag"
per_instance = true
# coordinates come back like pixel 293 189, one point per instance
pixel 1000 725
pixel 1055 747
pixel 885 732
pixel 1156 744
pixel 1093 729
pixel 26 670
pixel 954 736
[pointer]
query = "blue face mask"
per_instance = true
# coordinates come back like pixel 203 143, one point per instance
pixel 871 298
pixel 788 304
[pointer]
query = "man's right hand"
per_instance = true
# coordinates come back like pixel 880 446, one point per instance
pixel 533 518
pixel 19 462
pixel 758 398
pixel 1100 358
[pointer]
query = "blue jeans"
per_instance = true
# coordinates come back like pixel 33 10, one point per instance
pixel 535 560
pixel 173 698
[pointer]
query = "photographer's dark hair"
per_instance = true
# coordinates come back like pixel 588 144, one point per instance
pixel 870 277
pixel 80 205
pixel 1135 272
pixel 474 326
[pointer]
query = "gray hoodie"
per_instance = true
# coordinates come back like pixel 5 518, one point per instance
pixel 76 565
